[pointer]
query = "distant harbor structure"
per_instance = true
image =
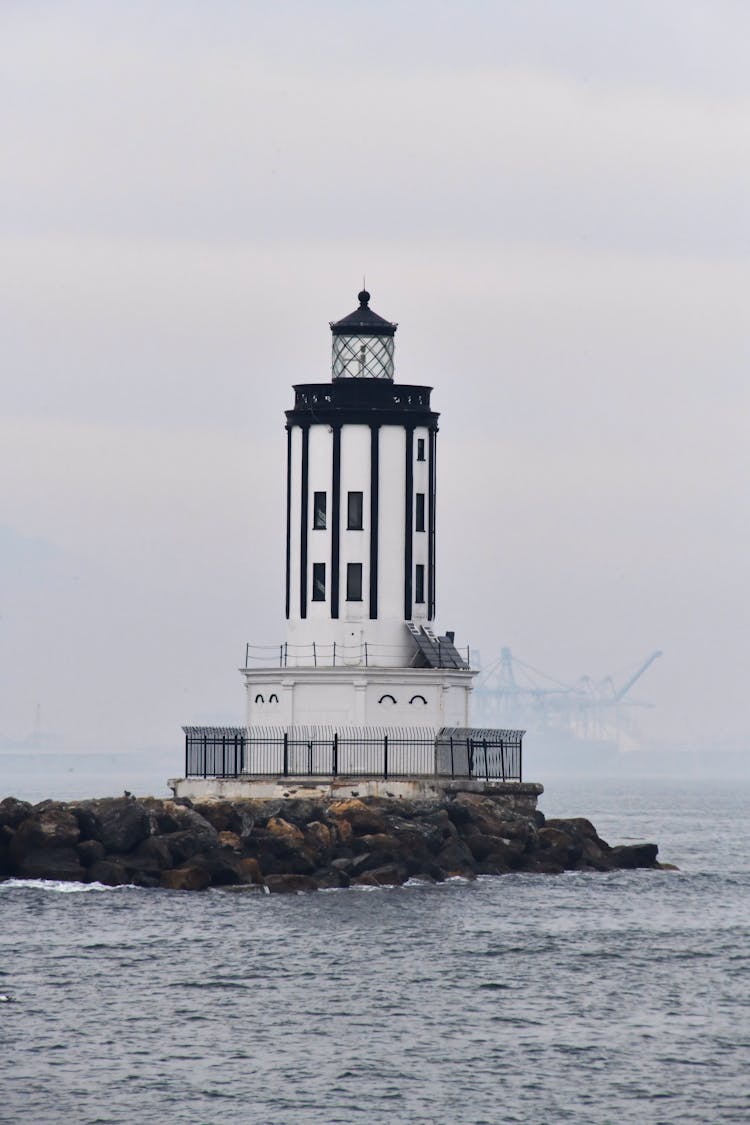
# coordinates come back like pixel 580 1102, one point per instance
pixel 362 691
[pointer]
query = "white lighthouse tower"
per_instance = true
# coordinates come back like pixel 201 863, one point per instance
pixel 359 647
pixel 360 689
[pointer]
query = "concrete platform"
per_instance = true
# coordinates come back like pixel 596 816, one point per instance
pixel 341 788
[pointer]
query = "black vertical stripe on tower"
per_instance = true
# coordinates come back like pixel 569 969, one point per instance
pixel 432 477
pixel 335 519
pixel 288 513
pixel 303 521
pixel 409 521
pixel 374 501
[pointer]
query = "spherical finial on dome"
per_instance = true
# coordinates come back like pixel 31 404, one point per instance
pixel 364 299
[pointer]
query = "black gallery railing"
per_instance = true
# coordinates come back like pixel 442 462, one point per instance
pixel 454 752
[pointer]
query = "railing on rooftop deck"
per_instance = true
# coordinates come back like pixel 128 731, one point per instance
pixel 335 655
pixel 231 752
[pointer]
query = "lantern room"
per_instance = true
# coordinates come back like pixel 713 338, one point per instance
pixel 363 344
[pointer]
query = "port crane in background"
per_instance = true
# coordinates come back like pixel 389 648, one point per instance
pixel 511 693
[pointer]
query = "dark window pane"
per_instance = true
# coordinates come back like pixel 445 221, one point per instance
pixel 419 514
pixel 354 582
pixel 319 511
pixel 419 592
pixel 420 449
pixel 319 582
pixel 354 511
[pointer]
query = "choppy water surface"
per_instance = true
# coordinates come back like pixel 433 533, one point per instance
pixel 585 998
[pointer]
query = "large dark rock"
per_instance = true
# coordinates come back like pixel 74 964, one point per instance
pixel 634 855
pixel 559 847
pixel 236 816
pixel 124 823
pixel 499 853
pixel 290 884
pixel 50 827
pixel 50 863
pixel 13 811
pixel 90 852
pixel 109 873
pixel 456 859
pixel 363 818
pixel 188 878
pixel 389 875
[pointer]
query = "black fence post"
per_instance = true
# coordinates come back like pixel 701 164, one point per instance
pixel 453 764
pixel 502 758
pixel 470 757
pixel 223 755
pixel 205 755
pixel 286 654
pixel 385 755
pixel 309 759
pixel 187 756
pixel 286 754
pixel 335 762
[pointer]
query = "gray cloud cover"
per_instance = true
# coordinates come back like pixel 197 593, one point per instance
pixel 551 200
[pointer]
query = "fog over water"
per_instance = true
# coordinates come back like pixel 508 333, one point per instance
pixel 550 199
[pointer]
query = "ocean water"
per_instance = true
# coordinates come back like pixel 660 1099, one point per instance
pixel 584 998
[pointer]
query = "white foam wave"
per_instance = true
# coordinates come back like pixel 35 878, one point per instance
pixel 56 886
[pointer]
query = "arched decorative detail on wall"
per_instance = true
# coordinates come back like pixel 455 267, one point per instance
pixel 387 696
pixel 414 698
pixel 273 697
pixel 259 699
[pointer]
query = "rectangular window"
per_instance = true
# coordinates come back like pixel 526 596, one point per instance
pixel 419 514
pixel 354 582
pixel 419 584
pixel 319 582
pixel 420 449
pixel 354 511
pixel 319 511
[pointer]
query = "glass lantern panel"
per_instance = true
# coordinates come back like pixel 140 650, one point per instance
pixel 362 357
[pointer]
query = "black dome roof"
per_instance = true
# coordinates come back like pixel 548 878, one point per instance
pixel 363 321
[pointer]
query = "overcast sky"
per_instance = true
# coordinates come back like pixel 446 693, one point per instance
pixel 551 198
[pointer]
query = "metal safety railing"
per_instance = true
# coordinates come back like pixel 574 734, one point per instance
pixel 233 752
pixel 335 654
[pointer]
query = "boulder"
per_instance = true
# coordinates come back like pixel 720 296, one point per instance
pixel 249 870
pixel 456 859
pixel 331 878
pixel 88 821
pixel 124 823
pixel 362 818
pixel 490 816
pixel 188 878
pixel 559 847
pixel 50 827
pixel 236 816
pixel 157 854
pixel 90 852
pixel 389 875
pixel 500 853
pixel 282 829
pixel 50 863
pixel 109 873
pixel 634 855
pixel 230 840
pixel 290 884
pixel 13 811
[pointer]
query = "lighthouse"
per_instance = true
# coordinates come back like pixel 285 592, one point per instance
pixel 360 687
pixel 359 644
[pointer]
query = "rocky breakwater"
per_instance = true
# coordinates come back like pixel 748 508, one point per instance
pixel 296 844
